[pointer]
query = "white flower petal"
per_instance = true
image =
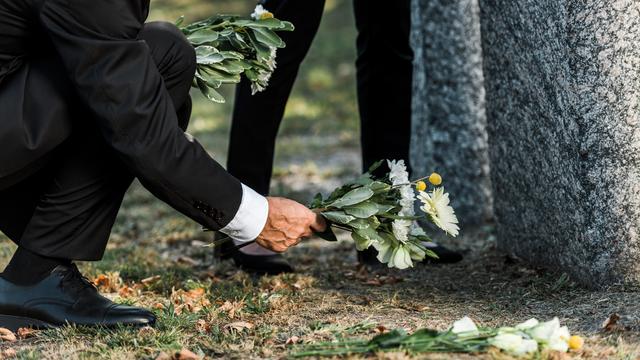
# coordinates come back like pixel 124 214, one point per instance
pixel 465 326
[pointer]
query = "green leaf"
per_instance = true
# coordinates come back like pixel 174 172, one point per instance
pixel 179 21
pixel 206 55
pixel 338 217
pixel 379 186
pixel 204 36
pixel 359 224
pixel 268 37
pixel 368 233
pixel 353 197
pixel 362 210
pixel 210 93
pixel 361 243
pixel 391 339
pixel 263 51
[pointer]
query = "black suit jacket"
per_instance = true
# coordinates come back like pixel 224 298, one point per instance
pixel 113 75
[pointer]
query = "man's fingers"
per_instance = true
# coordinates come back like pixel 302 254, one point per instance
pixel 318 223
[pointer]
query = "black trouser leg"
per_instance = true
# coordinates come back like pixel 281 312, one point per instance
pixel 68 208
pixel 256 118
pixel 384 73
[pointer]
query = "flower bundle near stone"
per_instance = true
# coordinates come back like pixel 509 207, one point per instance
pixel 228 47
pixel 525 339
pixel 379 213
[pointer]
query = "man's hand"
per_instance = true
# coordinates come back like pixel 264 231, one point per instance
pixel 288 222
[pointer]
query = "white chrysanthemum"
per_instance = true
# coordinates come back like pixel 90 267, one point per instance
pixel 514 344
pixel 265 75
pixel 436 204
pixel 398 172
pixel 260 13
pixel 401 229
pixel 407 200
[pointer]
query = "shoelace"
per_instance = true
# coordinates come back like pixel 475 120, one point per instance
pixel 74 280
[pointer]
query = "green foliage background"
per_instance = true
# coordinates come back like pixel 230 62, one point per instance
pixel 323 102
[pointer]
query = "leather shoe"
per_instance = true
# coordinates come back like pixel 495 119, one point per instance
pixel 64 297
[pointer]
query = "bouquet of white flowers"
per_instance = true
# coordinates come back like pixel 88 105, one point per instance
pixel 379 212
pixel 525 339
pixel 229 46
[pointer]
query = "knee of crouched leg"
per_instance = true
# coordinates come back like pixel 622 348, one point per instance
pixel 171 43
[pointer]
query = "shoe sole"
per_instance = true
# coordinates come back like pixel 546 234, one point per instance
pixel 14 323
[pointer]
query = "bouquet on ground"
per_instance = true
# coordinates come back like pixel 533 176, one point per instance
pixel 229 46
pixel 379 213
pixel 525 339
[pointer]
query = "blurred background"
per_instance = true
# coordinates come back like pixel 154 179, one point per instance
pixel 318 143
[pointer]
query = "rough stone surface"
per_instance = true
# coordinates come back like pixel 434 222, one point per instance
pixel 563 107
pixel 449 123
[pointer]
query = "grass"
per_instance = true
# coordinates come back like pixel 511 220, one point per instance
pixel 156 257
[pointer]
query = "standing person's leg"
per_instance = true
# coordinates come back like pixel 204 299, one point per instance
pixel 71 205
pixel 384 75
pixel 256 118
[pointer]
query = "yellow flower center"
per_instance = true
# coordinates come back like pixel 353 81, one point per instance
pixel 576 342
pixel 421 186
pixel 266 15
pixel 435 179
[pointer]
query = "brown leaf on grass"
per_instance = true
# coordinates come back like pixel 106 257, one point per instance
pixel 158 306
pixel 9 353
pixel 612 323
pixel 108 283
pixel 381 329
pixel 24 333
pixel 163 356
pixel 203 326
pixel 147 330
pixel 192 300
pixel 292 340
pixel 7 335
pixel 239 326
pixel 185 354
pixel 231 308
pixel 127 291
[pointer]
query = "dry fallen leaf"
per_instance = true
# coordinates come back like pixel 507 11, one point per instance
pixel 7 335
pixel 232 307
pixel 147 330
pixel 9 353
pixel 192 301
pixel 24 333
pixel 163 356
pixel 203 326
pixel 612 324
pixel 381 329
pixel 158 306
pixel 187 261
pixel 185 354
pixel 292 340
pixel 109 282
pixel 239 326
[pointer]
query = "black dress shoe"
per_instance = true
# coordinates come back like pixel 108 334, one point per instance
pixel 445 256
pixel 64 297
pixel 255 264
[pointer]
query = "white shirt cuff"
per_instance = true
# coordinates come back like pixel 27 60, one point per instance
pixel 250 218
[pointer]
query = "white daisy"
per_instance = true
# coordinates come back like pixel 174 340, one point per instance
pixel 437 206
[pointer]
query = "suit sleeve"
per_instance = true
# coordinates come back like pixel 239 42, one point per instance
pixel 118 81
